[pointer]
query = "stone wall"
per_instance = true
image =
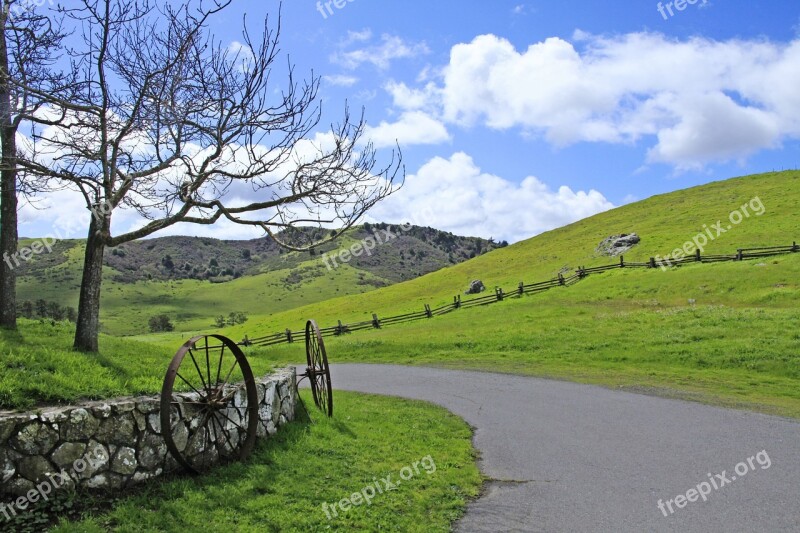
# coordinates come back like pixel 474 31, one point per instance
pixel 111 444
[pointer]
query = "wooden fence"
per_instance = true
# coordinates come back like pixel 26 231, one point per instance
pixel 499 295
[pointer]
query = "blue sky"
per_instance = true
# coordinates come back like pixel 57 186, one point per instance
pixel 517 117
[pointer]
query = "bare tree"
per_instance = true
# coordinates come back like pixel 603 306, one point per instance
pixel 29 43
pixel 175 125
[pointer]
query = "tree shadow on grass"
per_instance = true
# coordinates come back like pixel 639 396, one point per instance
pixel 11 336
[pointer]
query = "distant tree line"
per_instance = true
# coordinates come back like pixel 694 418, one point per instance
pixel 44 309
pixel 232 320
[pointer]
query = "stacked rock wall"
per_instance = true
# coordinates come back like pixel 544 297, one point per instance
pixel 111 444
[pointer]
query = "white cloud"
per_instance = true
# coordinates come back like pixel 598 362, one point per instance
pixel 455 195
pixel 380 55
pixel 357 36
pixel 341 80
pixel 714 127
pixel 413 127
pixel 699 100
pixel 408 98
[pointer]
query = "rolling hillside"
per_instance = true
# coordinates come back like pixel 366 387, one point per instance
pixel 663 222
pixel 722 333
pixel 194 280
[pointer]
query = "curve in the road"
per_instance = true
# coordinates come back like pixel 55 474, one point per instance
pixel 571 457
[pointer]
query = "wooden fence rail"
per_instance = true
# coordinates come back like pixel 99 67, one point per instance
pixel 500 295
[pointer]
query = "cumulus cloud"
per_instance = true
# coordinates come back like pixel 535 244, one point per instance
pixel 413 127
pixel 695 101
pixel 456 195
pixel 405 97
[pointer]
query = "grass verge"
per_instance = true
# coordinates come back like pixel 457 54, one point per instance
pixel 38 366
pixel 288 479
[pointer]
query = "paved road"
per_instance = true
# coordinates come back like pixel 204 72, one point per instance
pixel 572 457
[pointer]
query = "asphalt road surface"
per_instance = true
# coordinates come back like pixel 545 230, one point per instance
pixel 571 457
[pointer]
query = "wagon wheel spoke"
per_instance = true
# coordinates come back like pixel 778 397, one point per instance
pixel 228 377
pixel 221 437
pixel 208 363
pixel 199 373
pixel 200 394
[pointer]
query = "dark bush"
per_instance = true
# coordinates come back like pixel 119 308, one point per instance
pixel 160 323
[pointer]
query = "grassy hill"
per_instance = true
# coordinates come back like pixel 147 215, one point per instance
pixel 663 222
pixel 737 344
pixel 726 333
pixel 193 280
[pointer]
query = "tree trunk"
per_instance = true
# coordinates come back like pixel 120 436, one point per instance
pixel 8 194
pixel 8 242
pixel 88 326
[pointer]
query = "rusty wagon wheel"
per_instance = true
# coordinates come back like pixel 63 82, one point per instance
pixel 318 371
pixel 209 404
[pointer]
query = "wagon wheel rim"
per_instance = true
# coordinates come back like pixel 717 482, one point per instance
pixel 318 371
pixel 209 404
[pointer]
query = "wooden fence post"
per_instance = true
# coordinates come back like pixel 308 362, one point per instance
pixel 739 255
pixel 375 322
pixel 622 261
pixel 428 311
pixel 340 328
pixel 652 262
pixel 795 247
pixel 561 279
pixel 289 338
pixel 697 255
pixel 246 341
pixel 521 288
pixel 457 302
pixel 498 291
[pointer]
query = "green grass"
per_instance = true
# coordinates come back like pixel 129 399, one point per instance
pixel 271 284
pixel 285 484
pixel 38 366
pixel 663 222
pixel 193 304
pixel 739 345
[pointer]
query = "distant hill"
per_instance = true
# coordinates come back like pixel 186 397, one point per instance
pixel 194 279
pixel 398 255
